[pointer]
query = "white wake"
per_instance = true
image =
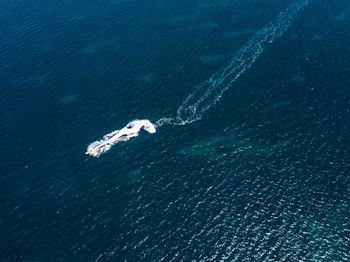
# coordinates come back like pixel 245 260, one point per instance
pixel 130 130
pixel 209 92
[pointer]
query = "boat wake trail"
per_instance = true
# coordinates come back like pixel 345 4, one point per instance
pixel 209 92
pixel 130 130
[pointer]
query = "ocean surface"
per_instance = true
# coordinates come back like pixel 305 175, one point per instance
pixel 251 157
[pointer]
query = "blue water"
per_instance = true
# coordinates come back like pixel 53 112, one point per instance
pixel 261 175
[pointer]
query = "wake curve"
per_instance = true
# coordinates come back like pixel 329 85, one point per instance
pixel 209 92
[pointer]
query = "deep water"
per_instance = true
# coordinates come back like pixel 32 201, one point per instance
pixel 263 176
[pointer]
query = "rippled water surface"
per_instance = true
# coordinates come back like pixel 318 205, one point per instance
pixel 262 174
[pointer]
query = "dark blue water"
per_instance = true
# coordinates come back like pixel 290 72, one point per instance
pixel 263 176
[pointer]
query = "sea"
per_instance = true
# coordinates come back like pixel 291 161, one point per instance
pixel 250 160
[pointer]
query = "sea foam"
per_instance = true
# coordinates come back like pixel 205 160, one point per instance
pixel 132 129
pixel 209 92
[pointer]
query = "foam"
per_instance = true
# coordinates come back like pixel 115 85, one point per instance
pixel 210 92
pixel 132 129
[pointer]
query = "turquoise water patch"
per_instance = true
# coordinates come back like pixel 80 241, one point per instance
pixel 341 16
pixel 69 99
pixel 148 78
pixel 239 33
pixel 205 59
pixel 98 47
pixel 230 143
pixel 298 78
pixel 33 80
pixel 204 26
